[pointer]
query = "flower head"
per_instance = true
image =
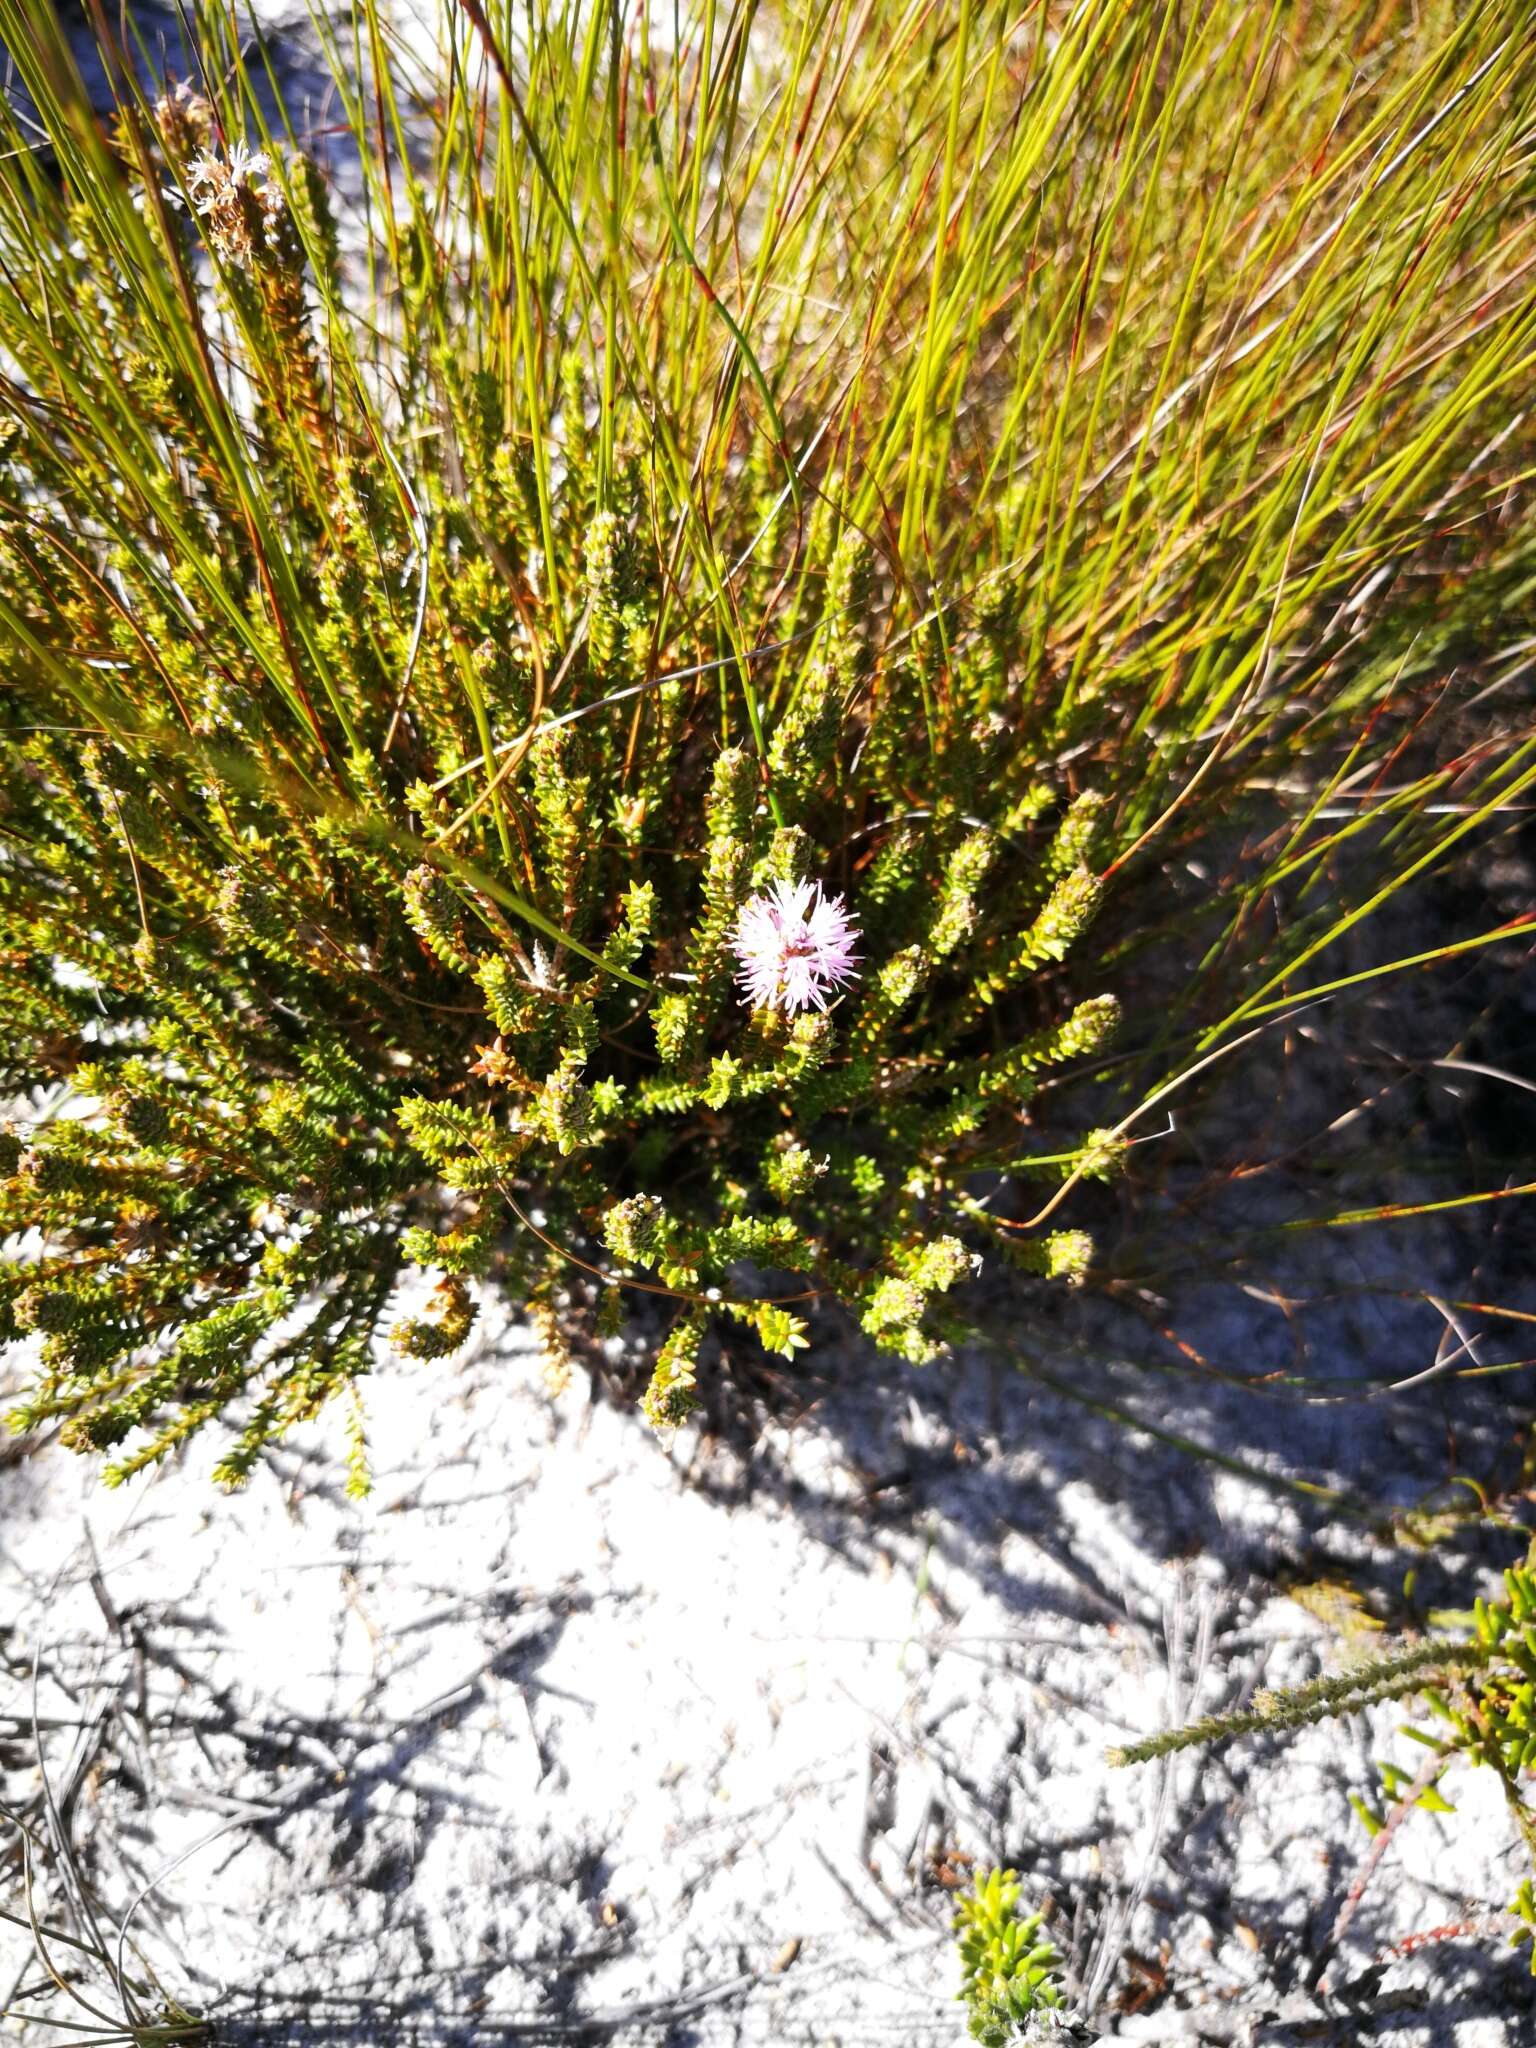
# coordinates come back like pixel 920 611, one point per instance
pixel 243 209
pixel 795 944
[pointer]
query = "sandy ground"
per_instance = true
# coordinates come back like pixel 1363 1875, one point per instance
pixel 566 1731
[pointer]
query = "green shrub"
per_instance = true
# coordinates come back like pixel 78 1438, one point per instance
pixel 936 463
pixel 1009 1969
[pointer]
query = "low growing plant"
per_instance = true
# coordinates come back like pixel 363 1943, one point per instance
pixel 576 665
pixel 1009 1967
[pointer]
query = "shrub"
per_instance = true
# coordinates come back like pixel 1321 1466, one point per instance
pixel 1009 1968
pixel 465 601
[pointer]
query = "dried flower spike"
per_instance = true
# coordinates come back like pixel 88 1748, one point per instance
pixel 795 944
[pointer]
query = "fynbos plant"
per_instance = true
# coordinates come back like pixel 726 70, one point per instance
pixel 546 750
pixel 341 983
pixel 1009 1967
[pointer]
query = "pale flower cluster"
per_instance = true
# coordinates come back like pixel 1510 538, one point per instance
pixel 243 212
pixel 795 944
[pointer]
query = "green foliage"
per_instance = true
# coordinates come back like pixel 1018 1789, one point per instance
pixel 426 621
pixel 1523 1906
pixel 1398 1787
pixel 1491 1719
pixel 1009 1969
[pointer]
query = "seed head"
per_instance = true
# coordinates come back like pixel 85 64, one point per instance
pixel 185 121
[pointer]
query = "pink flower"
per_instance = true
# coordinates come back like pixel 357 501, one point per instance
pixel 795 944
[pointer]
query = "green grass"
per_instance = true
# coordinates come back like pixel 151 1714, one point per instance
pixel 988 448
